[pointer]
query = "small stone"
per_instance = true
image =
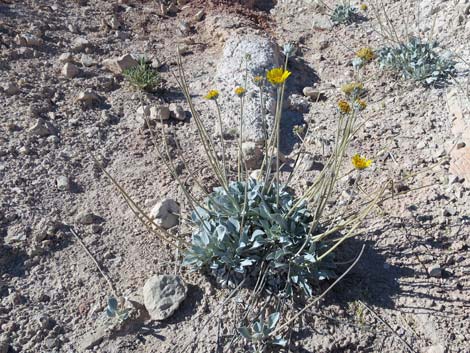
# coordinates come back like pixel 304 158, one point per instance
pixel 142 115
pixel 87 218
pixel 309 163
pixel 118 65
pixel 166 213
pixel 29 40
pixel 24 150
pixel 177 112
pixel 87 60
pixel 63 183
pixel 87 99
pixel 163 295
pixel 10 88
pixel 435 271
pixel 449 211
pixel 66 58
pixel 199 15
pixel 159 112
pixel 183 50
pixel 42 128
pixel 252 154
pixel 70 70
pixel 114 23
pixel 313 93
pixel 80 44
pixel 183 28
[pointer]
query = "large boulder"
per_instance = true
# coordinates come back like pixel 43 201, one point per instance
pixel 264 55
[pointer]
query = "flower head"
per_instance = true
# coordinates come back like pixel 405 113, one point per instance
pixel 353 89
pixel 240 91
pixel 344 107
pixel 360 104
pixel 366 54
pixel 360 162
pixel 212 94
pixel 277 76
pixel 364 7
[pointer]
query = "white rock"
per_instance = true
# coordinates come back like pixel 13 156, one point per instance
pixel 63 183
pixel 42 128
pixel 177 112
pixel 159 112
pixel 312 93
pixel 70 70
pixel 166 213
pixel 118 65
pixel 264 55
pixel 163 295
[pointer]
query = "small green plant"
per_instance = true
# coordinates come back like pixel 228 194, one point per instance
pixel 419 61
pixel 344 13
pixel 143 76
pixel 259 334
pixel 116 311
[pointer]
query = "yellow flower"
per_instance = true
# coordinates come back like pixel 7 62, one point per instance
pixel 360 162
pixel 366 54
pixel 212 94
pixel 240 91
pixel 360 104
pixel 352 88
pixel 344 107
pixel 363 7
pixel 277 76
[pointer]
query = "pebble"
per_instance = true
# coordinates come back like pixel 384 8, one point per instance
pixel 118 65
pixel 163 295
pixel 80 44
pixel 87 98
pixel 42 128
pixel 177 112
pixel 166 213
pixel 253 154
pixel 63 183
pixel 10 88
pixel 29 40
pixel 66 57
pixel 199 15
pixel 313 93
pixel 159 112
pixel 435 271
pixel 70 70
pixel 87 60
pixel 87 218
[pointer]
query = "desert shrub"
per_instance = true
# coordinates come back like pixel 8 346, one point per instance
pixel 419 61
pixel 143 76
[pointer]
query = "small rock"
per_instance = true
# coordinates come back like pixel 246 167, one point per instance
pixel 80 44
pixel 63 183
pixel 309 163
pixel 199 15
pixel 70 70
pixel 449 211
pixel 87 60
pixel 24 150
pixel 142 115
pixel 118 65
pixel 87 99
pixel 66 58
pixel 435 271
pixel 87 218
pixel 114 23
pixel 252 154
pixel 29 40
pixel 313 93
pixel 177 112
pixel 42 128
pixel 159 112
pixel 166 213
pixel 184 28
pixel 10 88
pixel 163 295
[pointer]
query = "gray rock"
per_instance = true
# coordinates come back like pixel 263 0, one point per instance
pixel 252 154
pixel 166 213
pixel 42 128
pixel 199 15
pixel 87 99
pixel 230 74
pixel 177 112
pixel 80 44
pixel 29 40
pixel 66 58
pixel 159 112
pixel 163 295
pixel 87 60
pixel 118 65
pixel 70 70
pixel 63 183
pixel 87 218
pixel 142 115
pixel 10 88
pixel 435 271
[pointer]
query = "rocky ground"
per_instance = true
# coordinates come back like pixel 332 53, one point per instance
pixel 64 100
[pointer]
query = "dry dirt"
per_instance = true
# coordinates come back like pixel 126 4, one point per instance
pixel 52 297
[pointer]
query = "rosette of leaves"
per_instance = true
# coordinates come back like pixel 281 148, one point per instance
pixel 142 76
pixel 345 14
pixel 242 231
pixel 259 334
pixel 419 61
